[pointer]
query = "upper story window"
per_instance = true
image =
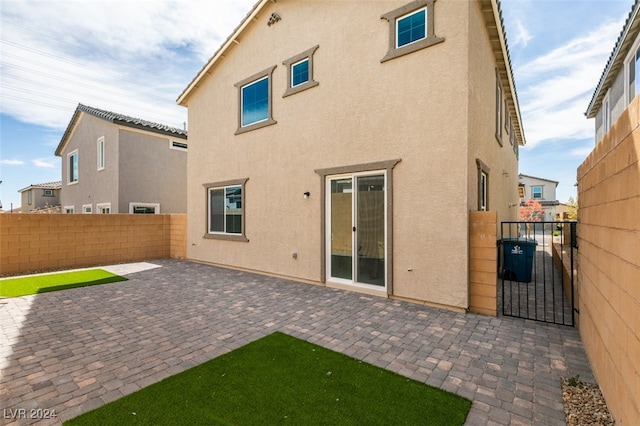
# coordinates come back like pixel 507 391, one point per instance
pixel 254 101
pixel 30 197
pixel 483 186
pixel 101 153
pixel 536 192
pixel 300 72
pixel 633 69
pixel 606 113
pixel 180 146
pixel 411 28
pixel 48 193
pixel 72 161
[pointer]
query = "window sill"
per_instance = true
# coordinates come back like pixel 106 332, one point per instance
pixel 254 126
pixel 227 237
pixel 293 90
pixel 410 48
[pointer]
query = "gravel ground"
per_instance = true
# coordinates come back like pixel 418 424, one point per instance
pixel 584 403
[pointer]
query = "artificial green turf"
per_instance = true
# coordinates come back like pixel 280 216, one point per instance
pixel 280 379
pixel 13 287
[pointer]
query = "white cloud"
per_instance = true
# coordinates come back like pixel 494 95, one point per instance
pixel 132 57
pixel 553 107
pixel 46 163
pixel 522 35
pixel 9 162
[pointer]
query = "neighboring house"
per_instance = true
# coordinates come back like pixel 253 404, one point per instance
pixel 112 163
pixel 345 143
pixel 39 196
pixel 543 191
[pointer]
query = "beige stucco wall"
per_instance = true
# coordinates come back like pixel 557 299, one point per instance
pixel 38 199
pixel 609 263
pixel 414 108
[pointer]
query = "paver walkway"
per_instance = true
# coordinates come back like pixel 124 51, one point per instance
pixel 71 351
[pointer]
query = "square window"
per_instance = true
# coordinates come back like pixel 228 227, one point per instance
pixel 410 28
pixel 254 101
pixel 300 72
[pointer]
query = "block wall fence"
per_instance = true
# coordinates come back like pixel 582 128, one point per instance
pixel 35 243
pixel 483 262
pixel 609 264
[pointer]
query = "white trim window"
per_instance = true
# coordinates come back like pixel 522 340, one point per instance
pixel 536 192
pixel 632 72
pixel 498 110
pixel 144 208
pixel 606 113
pixel 87 208
pixel 69 209
pixel 300 72
pixel 103 208
pixel 178 146
pixel 224 205
pixel 72 170
pixel 101 153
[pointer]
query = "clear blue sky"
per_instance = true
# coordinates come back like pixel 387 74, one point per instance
pixel 136 56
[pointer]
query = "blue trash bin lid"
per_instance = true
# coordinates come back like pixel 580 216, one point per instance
pixel 519 240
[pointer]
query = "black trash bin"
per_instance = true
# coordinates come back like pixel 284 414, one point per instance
pixel 518 258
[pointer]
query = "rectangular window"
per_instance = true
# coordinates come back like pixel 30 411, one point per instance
pixel 101 153
pixel 498 110
pixel 300 72
pixel 180 146
pixel 87 208
pixel 633 69
pixel 483 186
pixel 255 101
pixel 536 192
pixel 606 113
pixel 411 28
pixel 72 159
pixel 144 208
pixel 225 210
pixel 103 208
pixel 30 196
pixel 69 209
pixel 48 193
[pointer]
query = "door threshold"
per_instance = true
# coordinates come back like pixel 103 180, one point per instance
pixel 359 288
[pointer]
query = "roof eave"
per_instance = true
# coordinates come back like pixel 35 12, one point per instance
pixel 219 54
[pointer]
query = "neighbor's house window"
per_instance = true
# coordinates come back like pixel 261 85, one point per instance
pixel 69 209
pixel 103 208
pixel 300 72
pixel 101 153
pixel 254 101
pixel 87 208
pixel 180 146
pixel 410 28
pixel 30 196
pixel 225 210
pixel 72 161
pixel 144 208
pixel 606 113
pixel 48 193
pixel 498 110
pixel 536 192
pixel 633 69
pixel 483 186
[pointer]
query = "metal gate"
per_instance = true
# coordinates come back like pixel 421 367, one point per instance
pixel 536 266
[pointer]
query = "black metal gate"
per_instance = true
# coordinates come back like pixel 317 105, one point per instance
pixel 536 266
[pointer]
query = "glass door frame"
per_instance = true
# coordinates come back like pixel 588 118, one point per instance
pixel 354 176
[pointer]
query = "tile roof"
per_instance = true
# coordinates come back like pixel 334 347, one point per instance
pixel 120 119
pixel 621 48
pixel 47 185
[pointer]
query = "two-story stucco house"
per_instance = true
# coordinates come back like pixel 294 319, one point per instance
pixel 113 163
pixel 345 142
pixel 541 190
pixel 39 196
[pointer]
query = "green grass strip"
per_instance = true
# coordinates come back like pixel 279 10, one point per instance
pixel 13 287
pixel 283 380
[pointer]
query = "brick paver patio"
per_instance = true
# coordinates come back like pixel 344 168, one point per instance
pixel 71 351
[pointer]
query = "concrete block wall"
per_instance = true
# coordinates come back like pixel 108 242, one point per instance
pixel 483 262
pixel 609 264
pixel 34 243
